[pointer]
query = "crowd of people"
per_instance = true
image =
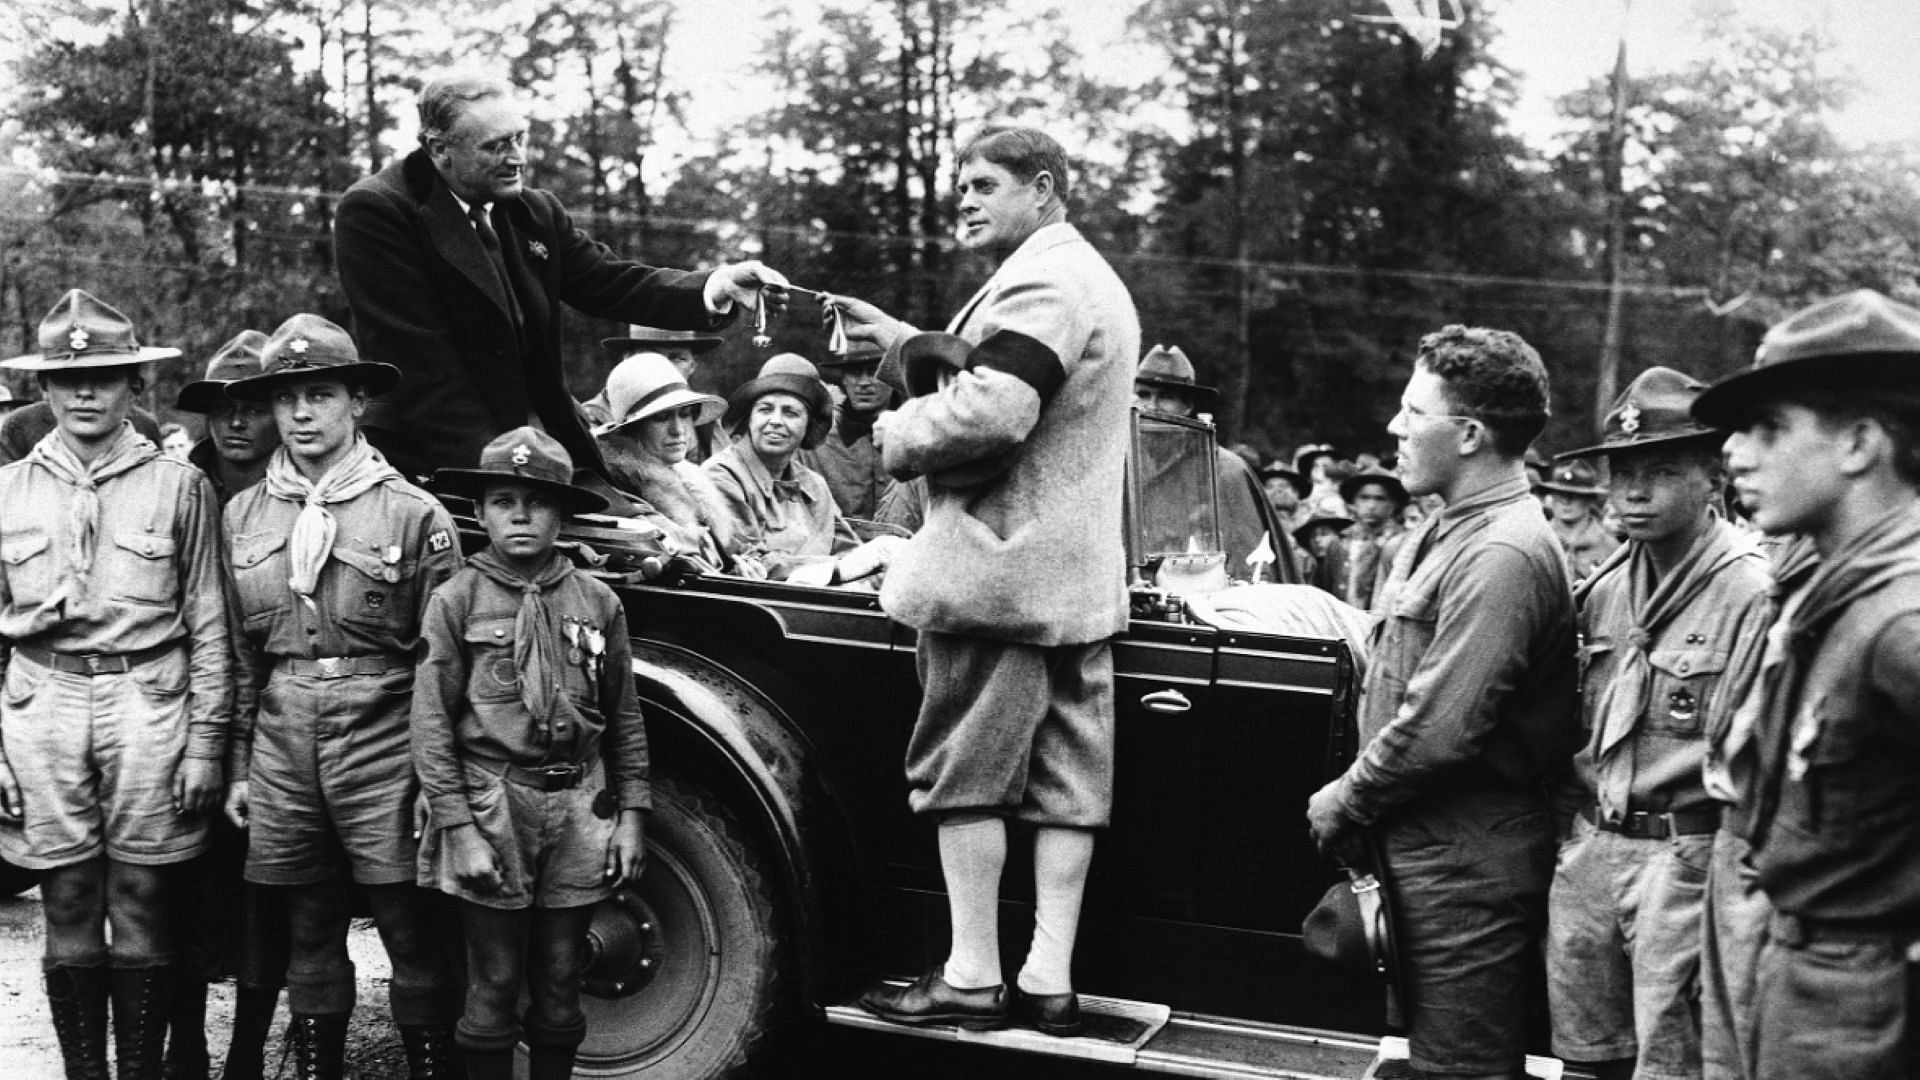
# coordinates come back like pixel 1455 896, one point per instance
pixel 1666 738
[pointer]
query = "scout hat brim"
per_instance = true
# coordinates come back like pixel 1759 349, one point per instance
pixel 1397 491
pixel 378 378
pixel 1194 389
pixel 1559 488
pixel 473 483
pixel 1731 403
pixel 1703 435
pixel 95 359
pixel 697 344
pixel 1301 533
pixel 202 397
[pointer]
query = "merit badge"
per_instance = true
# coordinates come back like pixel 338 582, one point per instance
pixel 1681 705
pixel 537 249
pixel 78 339
pixel 376 599
pixel 1630 419
pixel 439 541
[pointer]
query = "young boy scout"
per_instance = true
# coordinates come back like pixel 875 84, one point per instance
pixel 1667 624
pixel 1826 444
pixel 529 744
pixel 118 672
pixel 334 554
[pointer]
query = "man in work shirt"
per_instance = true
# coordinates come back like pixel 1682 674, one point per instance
pixel 1669 624
pixel 1468 708
pixel 118 671
pixel 1826 444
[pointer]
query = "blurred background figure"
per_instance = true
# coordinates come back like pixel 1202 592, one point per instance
pixel 1574 497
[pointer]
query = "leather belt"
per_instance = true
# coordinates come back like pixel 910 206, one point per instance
pixel 539 777
pixel 95 663
pixel 339 667
pixel 1642 825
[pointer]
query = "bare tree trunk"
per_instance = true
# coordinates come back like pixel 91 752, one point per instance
pixel 1232 373
pixel 372 87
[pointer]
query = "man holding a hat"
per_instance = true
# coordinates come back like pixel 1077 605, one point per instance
pixel 1164 382
pixel 1468 708
pixel 1017 580
pixel 1573 495
pixel 524 717
pixel 334 556
pixel 118 669
pixel 1826 445
pixel 457 271
pixel 682 348
pixel 1671 626
pixel 847 456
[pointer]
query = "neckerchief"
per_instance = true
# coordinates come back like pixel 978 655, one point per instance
pixel 1653 605
pixel 127 450
pixel 355 474
pixel 536 641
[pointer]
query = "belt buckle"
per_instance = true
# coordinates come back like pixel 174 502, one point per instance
pixel 557 776
pixel 329 667
pixel 92 662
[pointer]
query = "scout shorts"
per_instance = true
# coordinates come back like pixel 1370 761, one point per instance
pixel 332 785
pixel 551 845
pixel 95 757
pixel 1019 729
pixel 1623 949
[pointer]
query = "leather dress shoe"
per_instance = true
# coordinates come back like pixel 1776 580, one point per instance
pixel 1052 1014
pixel 930 999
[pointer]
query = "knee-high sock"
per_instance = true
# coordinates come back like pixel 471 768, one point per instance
pixel 973 851
pixel 1060 861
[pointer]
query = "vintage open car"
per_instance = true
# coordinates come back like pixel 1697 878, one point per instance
pixel 785 873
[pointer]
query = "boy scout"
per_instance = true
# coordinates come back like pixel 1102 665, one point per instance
pixel 1826 444
pixel 334 555
pixel 118 684
pixel 1668 624
pixel 529 744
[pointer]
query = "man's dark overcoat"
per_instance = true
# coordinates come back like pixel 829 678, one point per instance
pixel 425 299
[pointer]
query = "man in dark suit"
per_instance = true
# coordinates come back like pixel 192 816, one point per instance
pixel 456 270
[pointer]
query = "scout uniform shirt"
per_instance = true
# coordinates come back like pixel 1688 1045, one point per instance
pixel 154 576
pixel 1662 658
pixel 468 701
pixel 393 545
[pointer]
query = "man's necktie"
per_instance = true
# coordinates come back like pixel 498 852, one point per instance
pixel 489 239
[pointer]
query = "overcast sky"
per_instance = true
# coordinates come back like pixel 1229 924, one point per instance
pixel 1555 45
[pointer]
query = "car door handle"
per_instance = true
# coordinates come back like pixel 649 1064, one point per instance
pixel 1166 701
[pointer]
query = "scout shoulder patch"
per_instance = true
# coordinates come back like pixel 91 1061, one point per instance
pixel 439 540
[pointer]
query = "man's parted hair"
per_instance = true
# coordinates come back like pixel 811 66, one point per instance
pixel 441 101
pixel 1493 376
pixel 1023 151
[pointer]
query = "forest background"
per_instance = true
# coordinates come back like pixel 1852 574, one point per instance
pixel 1294 190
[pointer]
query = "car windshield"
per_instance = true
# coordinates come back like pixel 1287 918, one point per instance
pixel 1173 481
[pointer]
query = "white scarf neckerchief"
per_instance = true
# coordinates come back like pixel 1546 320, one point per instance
pixel 353 475
pixel 128 449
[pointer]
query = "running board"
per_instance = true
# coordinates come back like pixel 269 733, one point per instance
pixel 1154 1039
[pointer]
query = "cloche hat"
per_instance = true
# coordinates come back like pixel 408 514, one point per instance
pixel 647 384
pixel 787 373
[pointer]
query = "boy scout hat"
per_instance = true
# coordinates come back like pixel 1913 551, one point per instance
pixel 1294 480
pixel 646 337
pixel 1304 534
pixel 306 347
pixel 237 359
pixel 1167 367
pixel 82 332
pixel 1862 341
pixel 647 384
pixel 1575 477
pixel 858 352
pixel 1656 408
pixel 787 373
pixel 1397 491
pixel 525 455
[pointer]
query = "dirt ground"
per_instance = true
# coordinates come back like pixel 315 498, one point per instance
pixel 28 1050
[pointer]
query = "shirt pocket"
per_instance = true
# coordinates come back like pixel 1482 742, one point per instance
pixel 1683 682
pixel 492 675
pixel 143 569
pixel 260 575
pixel 1826 754
pixel 29 563
pixel 373 592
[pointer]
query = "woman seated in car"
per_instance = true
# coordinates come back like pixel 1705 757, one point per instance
pixel 645 445
pixel 776 505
